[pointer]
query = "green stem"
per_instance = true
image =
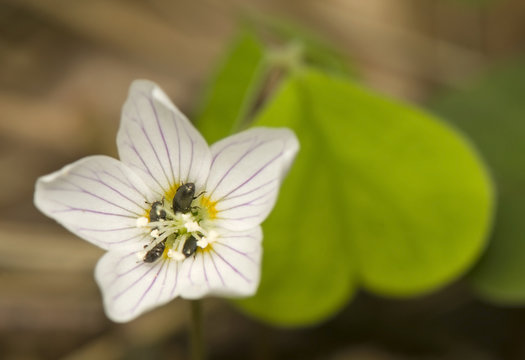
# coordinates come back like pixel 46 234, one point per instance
pixel 288 58
pixel 197 341
pixel 250 96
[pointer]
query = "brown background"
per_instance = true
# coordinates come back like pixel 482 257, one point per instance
pixel 65 67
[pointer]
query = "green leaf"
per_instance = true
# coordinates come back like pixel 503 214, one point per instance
pixel 381 195
pixel 233 88
pixel 307 276
pixel 492 111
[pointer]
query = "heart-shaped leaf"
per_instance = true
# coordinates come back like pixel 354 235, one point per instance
pixel 381 195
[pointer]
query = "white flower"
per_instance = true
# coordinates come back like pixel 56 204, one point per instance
pixel 205 242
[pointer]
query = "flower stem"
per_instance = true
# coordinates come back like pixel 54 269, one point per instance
pixel 197 341
pixel 250 97
pixel 288 59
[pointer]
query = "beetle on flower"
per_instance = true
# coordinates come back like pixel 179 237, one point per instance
pixel 177 218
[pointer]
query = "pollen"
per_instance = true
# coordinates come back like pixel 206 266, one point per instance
pixel 175 255
pixel 141 254
pixel 212 236
pixel 202 243
pixel 209 205
pixel 142 221
pixel 186 217
pixel 192 226
pixel 155 233
pixel 171 192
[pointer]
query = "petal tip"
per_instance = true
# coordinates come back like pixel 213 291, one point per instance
pixel 142 86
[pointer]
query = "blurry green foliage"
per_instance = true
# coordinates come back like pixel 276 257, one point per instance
pixel 316 50
pixel 492 112
pixel 236 84
pixel 232 90
pixel 381 195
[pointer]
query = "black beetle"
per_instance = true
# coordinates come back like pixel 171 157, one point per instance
pixel 190 246
pixel 157 212
pixel 155 253
pixel 183 198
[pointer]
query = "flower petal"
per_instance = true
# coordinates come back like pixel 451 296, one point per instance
pixel 131 287
pixel 246 172
pixel 98 198
pixel 230 266
pixel 156 139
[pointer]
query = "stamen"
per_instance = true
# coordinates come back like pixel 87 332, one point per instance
pixel 155 233
pixel 175 255
pixel 202 243
pixel 161 238
pixel 142 221
pixel 141 254
pixel 192 226
pixel 175 228
pixel 160 223
pixel 212 236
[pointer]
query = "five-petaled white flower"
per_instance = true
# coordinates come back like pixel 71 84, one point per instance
pixel 178 218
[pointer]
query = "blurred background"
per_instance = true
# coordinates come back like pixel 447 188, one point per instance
pixel 65 69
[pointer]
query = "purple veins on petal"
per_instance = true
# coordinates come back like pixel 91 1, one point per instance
pixel 216 269
pixel 178 145
pixel 118 192
pixel 251 202
pixel 80 229
pixel 148 288
pixel 136 236
pixel 125 182
pixel 144 168
pixel 239 218
pixel 191 267
pixel 163 287
pixel 234 165
pixel 153 124
pixel 227 146
pixel 250 191
pixel 112 272
pixel 166 147
pixel 175 283
pixel 131 287
pixel 253 176
pixel 204 271
pixel 72 209
pixel 242 253
pixel 138 280
pixel 78 188
pixel 140 123
pixel 231 266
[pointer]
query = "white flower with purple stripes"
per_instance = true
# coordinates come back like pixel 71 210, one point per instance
pixel 177 218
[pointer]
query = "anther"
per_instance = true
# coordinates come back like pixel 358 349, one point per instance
pixel 142 221
pixel 155 233
pixel 175 255
pixel 192 226
pixel 202 243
